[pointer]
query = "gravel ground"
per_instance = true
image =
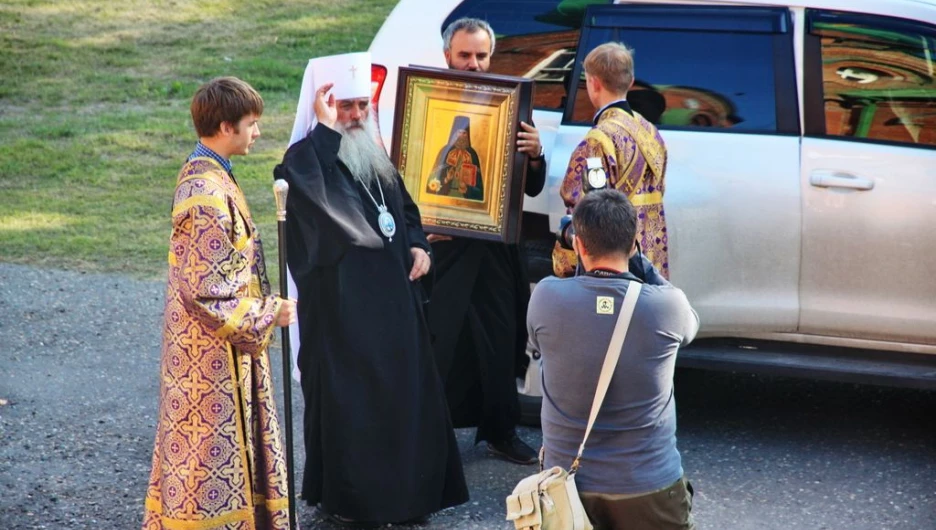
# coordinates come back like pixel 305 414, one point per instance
pixel 79 362
pixel 79 357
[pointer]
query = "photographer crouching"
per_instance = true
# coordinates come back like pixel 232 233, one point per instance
pixel 631 474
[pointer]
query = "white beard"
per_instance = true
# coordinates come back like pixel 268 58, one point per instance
pixel 363 156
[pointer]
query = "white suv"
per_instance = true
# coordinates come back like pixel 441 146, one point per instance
pixel 801 183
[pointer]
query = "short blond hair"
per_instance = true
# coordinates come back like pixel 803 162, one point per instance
pixel 613 64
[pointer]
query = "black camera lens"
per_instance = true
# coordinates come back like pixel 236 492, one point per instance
pixel 566 231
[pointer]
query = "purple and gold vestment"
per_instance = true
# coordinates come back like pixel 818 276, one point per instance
pixel 633 156
pixel 218 460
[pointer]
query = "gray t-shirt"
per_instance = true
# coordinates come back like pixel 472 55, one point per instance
pixel 632 447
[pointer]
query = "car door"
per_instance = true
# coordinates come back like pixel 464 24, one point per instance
pixel 869 178
pixel 720 84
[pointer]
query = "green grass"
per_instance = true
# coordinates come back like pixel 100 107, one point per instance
pixel 94 121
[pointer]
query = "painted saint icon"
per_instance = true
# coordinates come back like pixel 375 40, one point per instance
pixel 457 171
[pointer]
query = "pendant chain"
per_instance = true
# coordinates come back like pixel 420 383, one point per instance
pixel 385 220
pixel 380 207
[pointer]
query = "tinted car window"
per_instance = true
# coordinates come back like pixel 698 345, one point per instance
pixel 535 39
pixel 695 78
pixel 877 78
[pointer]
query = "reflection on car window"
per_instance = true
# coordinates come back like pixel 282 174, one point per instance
pixel 536 39
pixel 695 78
pixel 878 82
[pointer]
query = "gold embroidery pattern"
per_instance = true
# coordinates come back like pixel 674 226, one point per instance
pixel 218 461
pixel 634 157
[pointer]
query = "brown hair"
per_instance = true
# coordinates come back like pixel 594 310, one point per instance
pixel 223 99
pixel 613 64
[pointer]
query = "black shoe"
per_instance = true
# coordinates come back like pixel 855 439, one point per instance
pixel 515 450
pixel 348 523
pixel 351 523
pixel 422 520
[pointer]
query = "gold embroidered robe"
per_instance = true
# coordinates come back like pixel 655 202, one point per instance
pixel 218 460
pixel 633 155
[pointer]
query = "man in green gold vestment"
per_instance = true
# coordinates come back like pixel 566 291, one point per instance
pixel 218 461
pixel 625 149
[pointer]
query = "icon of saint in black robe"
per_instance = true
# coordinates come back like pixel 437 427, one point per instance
pixel 457 171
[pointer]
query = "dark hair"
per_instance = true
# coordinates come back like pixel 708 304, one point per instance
pixel 223 99
pixel 606 222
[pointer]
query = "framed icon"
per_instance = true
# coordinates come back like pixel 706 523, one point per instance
pixel 455 145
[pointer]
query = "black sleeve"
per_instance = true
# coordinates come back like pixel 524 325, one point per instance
pixel 321 220
pixel 414 226
pixel 643 268
pixel 535 179
pixel 417 238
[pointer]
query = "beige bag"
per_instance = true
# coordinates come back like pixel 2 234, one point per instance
pixel 549 499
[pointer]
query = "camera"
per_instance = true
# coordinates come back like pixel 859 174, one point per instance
pixel 595 179
pixel 566 231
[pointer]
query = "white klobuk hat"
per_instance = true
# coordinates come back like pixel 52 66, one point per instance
pixel 351 74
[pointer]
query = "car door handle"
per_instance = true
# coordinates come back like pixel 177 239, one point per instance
pixel 837 179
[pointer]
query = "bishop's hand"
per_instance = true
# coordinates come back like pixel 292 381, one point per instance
pixel 421 263
pixel 326 111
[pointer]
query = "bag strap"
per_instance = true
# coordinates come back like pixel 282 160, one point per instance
pixel 610 362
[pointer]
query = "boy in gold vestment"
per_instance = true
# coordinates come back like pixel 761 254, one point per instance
pixel 218 460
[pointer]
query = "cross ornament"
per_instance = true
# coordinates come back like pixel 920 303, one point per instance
pixel 353 71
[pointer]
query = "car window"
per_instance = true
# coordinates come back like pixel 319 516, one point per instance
pixel 536 39
pixel 698 79
pixel 695 79
pixel 698 67
pixel 877 77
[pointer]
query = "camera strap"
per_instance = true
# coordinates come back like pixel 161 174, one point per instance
pixel 604 273
pixel 609 273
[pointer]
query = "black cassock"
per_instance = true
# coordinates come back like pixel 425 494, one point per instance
pixel 378 436
pixel 478 319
